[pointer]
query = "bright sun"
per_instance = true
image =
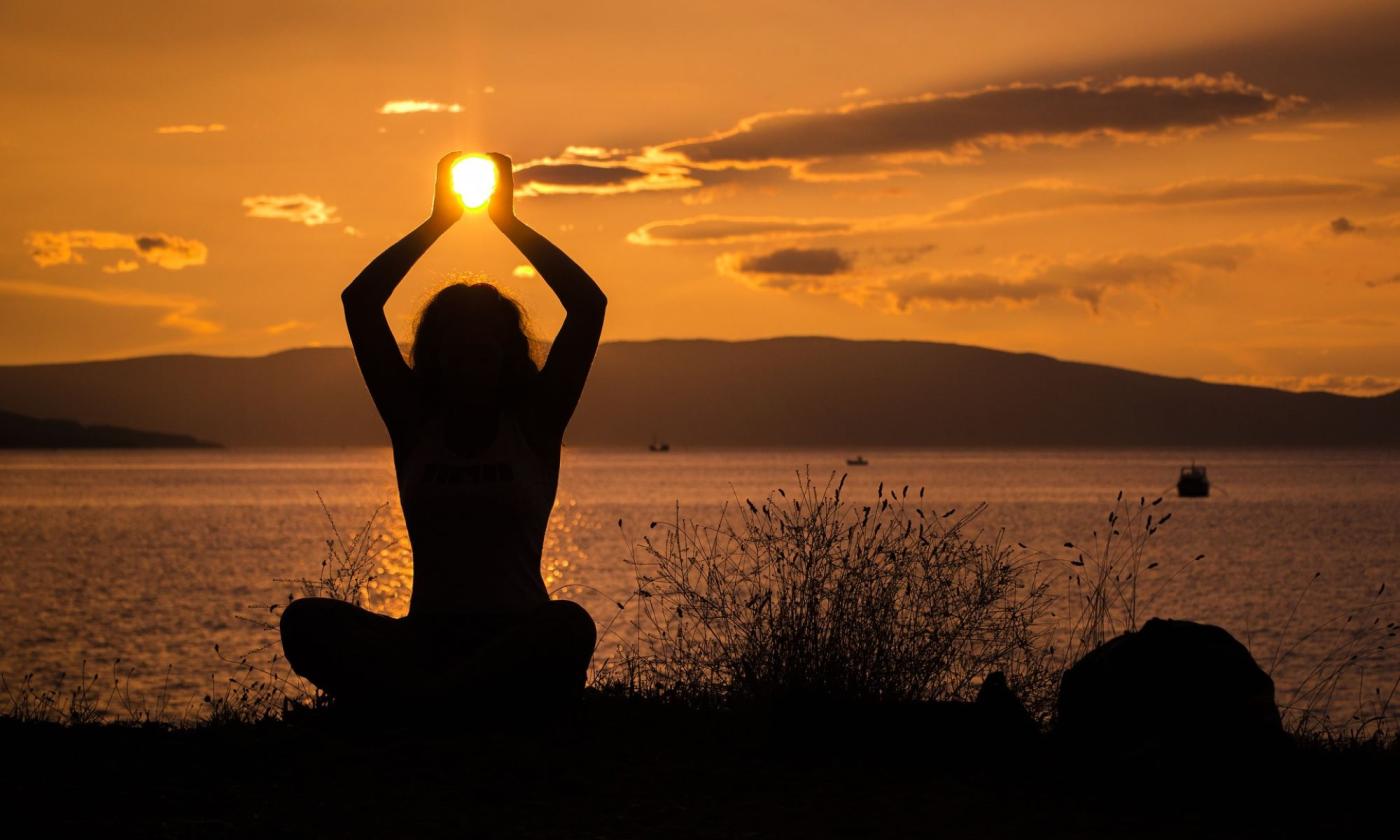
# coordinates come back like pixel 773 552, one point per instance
pixel 474 179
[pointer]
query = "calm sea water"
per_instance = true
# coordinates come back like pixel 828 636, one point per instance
pixel 152 557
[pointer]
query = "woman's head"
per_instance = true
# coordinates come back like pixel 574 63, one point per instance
pixel 473 339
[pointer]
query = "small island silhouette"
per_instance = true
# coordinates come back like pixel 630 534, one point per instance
pixel 18 431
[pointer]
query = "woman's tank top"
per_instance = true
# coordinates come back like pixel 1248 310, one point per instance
pixel 476 521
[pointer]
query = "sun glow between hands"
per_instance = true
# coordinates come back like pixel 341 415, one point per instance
pixel 474 179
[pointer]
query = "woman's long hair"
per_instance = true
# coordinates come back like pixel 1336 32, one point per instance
pixel 481 308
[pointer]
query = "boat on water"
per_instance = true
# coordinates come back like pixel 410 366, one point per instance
pixel 858 461
pixel 1193 482
pixel 658 446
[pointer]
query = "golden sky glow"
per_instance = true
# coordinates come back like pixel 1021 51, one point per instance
pixel 1190 188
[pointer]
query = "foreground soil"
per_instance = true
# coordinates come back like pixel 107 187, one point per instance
pixel 627 769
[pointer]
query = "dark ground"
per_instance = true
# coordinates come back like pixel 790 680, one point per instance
pixel 626 769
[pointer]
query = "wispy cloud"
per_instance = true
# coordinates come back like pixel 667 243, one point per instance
pixel 121 267
pixel 1285 136
pixel 1024 200
pixel 584 170
pixel 1085 281
pixel 1336 383
pixel 1389 161
pixel 285 326
pixel 192 128
pixel 419 106
pixel 178 312
pixel 300 208
pixel 62 247
pixel 716 229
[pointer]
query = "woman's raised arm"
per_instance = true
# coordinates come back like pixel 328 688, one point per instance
pixel 387 375
pixel 571 353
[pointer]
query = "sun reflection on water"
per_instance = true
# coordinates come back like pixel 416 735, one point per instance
pixel 392 586
pixel 562 554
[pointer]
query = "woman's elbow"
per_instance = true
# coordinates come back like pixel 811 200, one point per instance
pixel 592 305
pixel 354 297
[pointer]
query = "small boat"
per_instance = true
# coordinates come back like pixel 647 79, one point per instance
pixel 1193 482
pixel 858 461
pixel 658 446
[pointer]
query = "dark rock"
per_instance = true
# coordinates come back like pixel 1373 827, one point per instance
pixel 1005 707
pixel 1172 686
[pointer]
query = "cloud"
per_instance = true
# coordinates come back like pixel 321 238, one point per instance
pixel 49 248
pixel 304 209
pixel 1086 282
pixel 192 128
pixel 806 261
pixel 1053 196
pixel 901 254
pixel 576 175
pixel 1393 280
pixel 1374 228
pixel 285 326
pixel 966 289
pixel 419 106
pixel 1221 256
pixel 1391 161
pixel 877 139
pixel 121 267
pixel 724 229
pixel 1351 385
pixel 590 170
pixel 1031 198
pixel 855 92
pixel 180 313
pixel 1284 136
pixel 959 126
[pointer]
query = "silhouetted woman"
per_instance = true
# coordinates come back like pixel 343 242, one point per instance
pixel 476 429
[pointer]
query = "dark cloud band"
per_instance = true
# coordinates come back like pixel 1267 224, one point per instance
pixel 1012 115
pixel 807 261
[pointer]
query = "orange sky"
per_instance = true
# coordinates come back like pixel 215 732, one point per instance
pixel 1199 189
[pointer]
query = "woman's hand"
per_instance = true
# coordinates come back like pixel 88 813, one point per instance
pixel 447 204
pixel 502 205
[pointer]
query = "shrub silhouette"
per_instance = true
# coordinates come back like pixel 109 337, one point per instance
pixel 813 598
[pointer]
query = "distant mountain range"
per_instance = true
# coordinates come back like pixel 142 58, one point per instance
pixel 20 432
pixel 775 392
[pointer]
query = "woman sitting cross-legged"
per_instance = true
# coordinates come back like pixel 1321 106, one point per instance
pixel 476 428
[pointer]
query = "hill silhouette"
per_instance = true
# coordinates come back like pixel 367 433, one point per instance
pixel 20 432
pixel 772 392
